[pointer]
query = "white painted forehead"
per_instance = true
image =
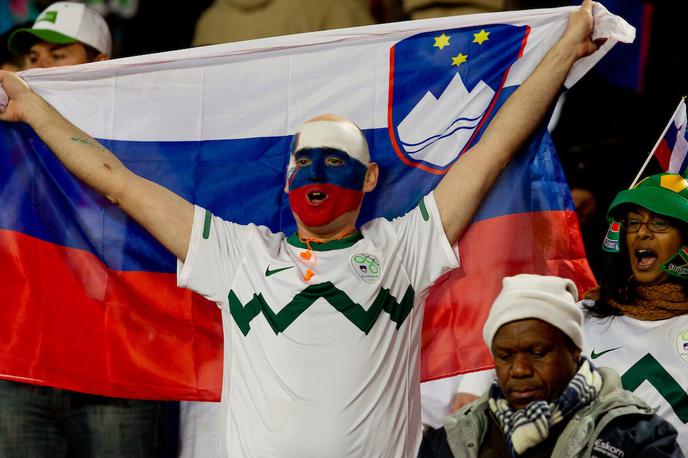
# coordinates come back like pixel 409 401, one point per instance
pixel 339 135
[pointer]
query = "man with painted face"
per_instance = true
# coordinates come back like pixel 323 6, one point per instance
pixel 326 178
pixel 321 328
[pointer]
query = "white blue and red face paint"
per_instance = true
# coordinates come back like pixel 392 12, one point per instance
pixel 326 184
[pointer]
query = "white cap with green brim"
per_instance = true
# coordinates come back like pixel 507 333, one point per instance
pixel 65 23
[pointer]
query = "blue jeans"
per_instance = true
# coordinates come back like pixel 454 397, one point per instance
pixel 38 421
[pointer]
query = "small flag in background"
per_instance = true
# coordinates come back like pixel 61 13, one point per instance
pixel 672 146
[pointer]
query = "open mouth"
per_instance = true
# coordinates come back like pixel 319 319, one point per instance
pixel 316 197
pixel 645 259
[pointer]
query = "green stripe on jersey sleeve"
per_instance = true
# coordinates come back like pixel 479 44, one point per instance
pixel 423 209
pixel 206 224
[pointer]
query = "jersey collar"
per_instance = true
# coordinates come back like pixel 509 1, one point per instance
pixel 345 242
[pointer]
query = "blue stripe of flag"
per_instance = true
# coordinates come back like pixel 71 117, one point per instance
pixel 240 180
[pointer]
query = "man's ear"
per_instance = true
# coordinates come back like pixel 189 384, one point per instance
pixel 100 57
pixel 575 354
pixel 287 180
pixel 371 176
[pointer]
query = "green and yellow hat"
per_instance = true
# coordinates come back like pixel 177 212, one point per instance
pixel 665 194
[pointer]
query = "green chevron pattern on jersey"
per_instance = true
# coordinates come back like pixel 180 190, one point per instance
pixel 363 319
pixel 305 362
pixel 648 368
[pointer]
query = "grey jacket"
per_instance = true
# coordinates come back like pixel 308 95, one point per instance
pixel 465 429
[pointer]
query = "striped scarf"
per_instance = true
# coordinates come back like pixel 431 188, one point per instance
pixel 527 427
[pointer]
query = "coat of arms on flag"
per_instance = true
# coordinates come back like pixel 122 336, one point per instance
pixel 444 85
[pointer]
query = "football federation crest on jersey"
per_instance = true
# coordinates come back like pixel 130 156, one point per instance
pixel 366 266
pixel 682 345
pixel 444 86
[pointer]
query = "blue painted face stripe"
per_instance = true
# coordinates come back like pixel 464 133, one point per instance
pixel 326 165
pixel 239 180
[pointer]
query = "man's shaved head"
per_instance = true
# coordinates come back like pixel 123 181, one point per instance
pixel 330 117
pixel 334 132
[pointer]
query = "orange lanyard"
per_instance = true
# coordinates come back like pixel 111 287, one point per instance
pixel 309 255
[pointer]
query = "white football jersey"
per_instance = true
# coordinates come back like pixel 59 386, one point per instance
pixel 329 366
pixel 652 359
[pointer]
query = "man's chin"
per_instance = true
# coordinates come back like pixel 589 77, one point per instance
pixel 315 217
pixel 521 400
pixel 325 225
pixel 519 405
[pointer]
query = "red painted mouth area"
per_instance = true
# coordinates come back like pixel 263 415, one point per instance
pixel 319 204
pixel 316 196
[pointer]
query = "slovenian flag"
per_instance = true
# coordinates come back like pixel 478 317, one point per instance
pixel 89 301
pixel 672 146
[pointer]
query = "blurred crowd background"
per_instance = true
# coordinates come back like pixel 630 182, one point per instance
pixel 607 125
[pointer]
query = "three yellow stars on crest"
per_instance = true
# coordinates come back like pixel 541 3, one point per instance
pixel 481 37
pixel 443 40
pixel 459 59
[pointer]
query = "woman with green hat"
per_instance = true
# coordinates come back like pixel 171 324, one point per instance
pixel 637 319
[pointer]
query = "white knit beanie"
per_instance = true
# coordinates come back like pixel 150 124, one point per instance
pixel 546 298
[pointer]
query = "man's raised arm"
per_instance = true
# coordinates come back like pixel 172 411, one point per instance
pixel 462 189
pixel 167 216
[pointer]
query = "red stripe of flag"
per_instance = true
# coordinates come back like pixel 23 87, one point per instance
pixel 130 334
pixel 546 242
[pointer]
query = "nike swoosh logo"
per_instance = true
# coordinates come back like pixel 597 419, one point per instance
pixel 594 355
pixel 269 272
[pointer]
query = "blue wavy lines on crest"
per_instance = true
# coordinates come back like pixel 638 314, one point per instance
pixel 435 138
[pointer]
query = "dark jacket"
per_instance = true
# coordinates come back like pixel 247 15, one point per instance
pixel 616 424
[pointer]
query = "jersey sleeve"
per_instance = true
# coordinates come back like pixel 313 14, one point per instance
pixel 424 247
pixel 476 383
pixel 215 251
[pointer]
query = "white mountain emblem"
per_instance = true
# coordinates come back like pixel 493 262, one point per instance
pixel 436 130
